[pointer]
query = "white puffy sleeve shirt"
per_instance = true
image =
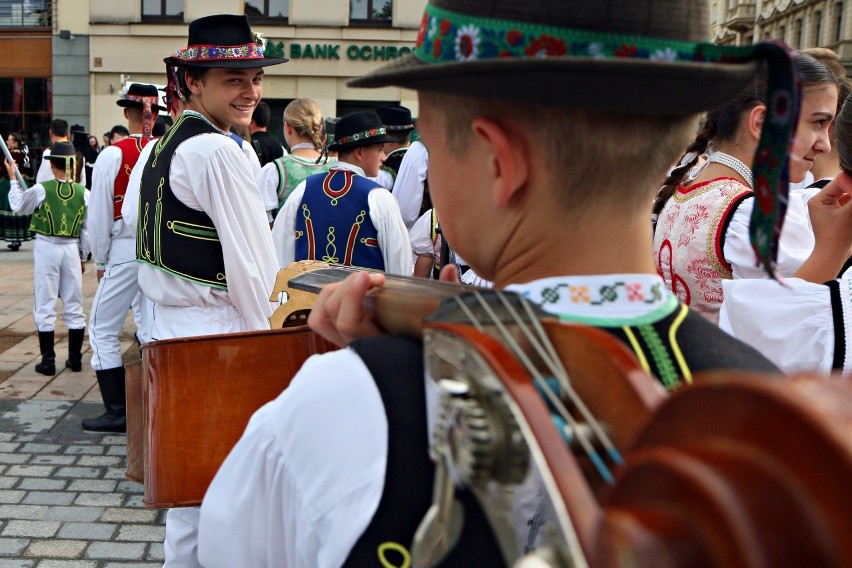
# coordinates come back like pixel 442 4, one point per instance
pixel 210 173
pixel 411 181
pixel 792 325
pixel 25 202
pixel 99 216
pixel 301 501
pixel 384 213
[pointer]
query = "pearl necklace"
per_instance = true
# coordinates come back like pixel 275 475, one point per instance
pixel 735 164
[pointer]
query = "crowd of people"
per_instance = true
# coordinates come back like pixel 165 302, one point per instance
pixel 539 181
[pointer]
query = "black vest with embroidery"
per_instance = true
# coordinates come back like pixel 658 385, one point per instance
pixel 171 236
pixel 396 365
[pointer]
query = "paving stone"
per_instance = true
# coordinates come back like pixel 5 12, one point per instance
pixel 87 450
pixel 115 473
pixel 117 515
pixel 84 472
pixel 14 458
pixel 8 447
pixel 75 513
pixel 12 563
pixel 27 512
pixel 133 565
pixel 100 499
pixel 119 440
pixel 99 460
pixel 30 470
pixel 117 451
pixel 10 546
pixel 135 501
pixel 87 531
pixel 104 485
pixel 56 548
pixel 31 528
pixel 37 484
pixel 67 564
pixel 53 460
pixel 6 436
pixel 27 438
pixel 128 486
pixel 150 533
pixel 11 495
pixel 116 550
pixel 49 498
pixel 36 448
pixel 156 551
pixel 8 482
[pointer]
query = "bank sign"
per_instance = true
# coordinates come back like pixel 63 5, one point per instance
pixel 353 52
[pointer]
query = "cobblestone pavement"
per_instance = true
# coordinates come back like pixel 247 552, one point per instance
pixel 64 501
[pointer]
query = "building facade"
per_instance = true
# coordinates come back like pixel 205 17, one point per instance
pixel 798 23
pixel 91 49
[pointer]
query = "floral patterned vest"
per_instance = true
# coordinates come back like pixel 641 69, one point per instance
pixel 689 240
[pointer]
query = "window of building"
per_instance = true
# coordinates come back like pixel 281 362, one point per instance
pixel 162 10
pixel 370 12
pixel 267 9
pixel 817 28
pixel 30 13
pixel 798 34
pixel 838 21
pixel 782 33
pixel 25 107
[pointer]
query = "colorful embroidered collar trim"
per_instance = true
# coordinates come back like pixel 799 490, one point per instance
pixel 446 37
pixel 358 136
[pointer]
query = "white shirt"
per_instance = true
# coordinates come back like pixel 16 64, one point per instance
pixel 384 179
pixel 210 173
pixel 411 181
pixel 384 213
pixel 305 479
pixel 102 228
pixel 792 324
pixel 25 202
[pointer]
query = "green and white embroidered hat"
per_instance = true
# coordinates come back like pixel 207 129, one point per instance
pixel 635 56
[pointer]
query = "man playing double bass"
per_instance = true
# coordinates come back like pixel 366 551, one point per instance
pixel 319 477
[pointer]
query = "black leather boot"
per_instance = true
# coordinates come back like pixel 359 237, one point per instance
pixel 48 355
pixel 111 383
pixel 75 349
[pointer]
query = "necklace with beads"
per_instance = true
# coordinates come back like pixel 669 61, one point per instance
pixel 735 164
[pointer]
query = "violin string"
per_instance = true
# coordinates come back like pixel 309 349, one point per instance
pixel 554 362
pixel 581 435
pixel 469 313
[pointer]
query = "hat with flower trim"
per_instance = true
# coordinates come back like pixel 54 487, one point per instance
pixel 359 129
pixel 644 57
pixel 220 41
pixel 144 98
pixel 396 118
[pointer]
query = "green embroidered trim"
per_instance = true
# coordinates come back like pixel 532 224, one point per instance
pixel 665 366
pixel 193 231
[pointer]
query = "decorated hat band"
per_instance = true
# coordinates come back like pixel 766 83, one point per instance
pixel 219 52
pixel 359 136
pixel 147 111
pixel 449 37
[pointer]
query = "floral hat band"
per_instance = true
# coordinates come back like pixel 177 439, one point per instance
pixel 221 52
pixel 450 37
pixel 361 136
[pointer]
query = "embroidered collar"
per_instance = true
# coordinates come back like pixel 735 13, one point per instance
pixel 603 301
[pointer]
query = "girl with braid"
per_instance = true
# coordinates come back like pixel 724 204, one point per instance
pixel 702 232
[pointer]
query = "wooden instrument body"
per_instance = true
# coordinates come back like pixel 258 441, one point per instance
pixel 199 393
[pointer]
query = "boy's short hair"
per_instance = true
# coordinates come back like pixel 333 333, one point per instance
pixel 120 130
pixel 59 127
pixel 261 113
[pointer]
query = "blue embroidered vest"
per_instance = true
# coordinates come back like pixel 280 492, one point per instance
pixel 333 221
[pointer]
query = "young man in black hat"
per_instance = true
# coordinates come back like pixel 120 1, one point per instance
pixel 114 254
pixel 399 125
pixel 200 183
pixel 59 255
pixel 601 86
pixel 339 216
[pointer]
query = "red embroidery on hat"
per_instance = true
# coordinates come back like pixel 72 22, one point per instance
pixel 626 50
pixel 546 45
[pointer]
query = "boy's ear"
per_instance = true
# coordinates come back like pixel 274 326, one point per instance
pixel 506 164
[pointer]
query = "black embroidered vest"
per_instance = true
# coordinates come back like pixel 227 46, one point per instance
pixel 171 236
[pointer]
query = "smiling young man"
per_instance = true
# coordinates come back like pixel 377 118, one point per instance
pixel 206 256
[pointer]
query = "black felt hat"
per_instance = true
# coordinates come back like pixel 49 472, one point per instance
pixel 396 118
pixel 635 56
pixel 78 129
pixel 136 95
pixel 60 151
pixel 223 40
pixel 359 129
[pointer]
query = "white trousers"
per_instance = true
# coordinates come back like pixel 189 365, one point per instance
pixel 57 272
pixel 181 545
pixel 117 292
